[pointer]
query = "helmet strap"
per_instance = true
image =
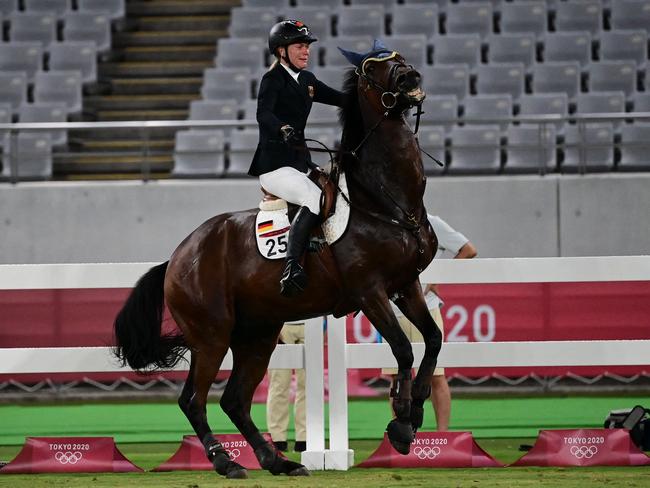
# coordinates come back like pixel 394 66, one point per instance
pixel 286 59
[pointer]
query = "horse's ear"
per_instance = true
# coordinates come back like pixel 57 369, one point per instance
pixel 378 45
pixel 354 58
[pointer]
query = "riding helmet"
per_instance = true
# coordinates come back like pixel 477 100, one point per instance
pixel 289 32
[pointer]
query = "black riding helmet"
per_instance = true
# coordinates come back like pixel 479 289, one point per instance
pixel 289 32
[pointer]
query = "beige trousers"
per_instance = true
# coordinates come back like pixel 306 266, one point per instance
pixel 414 335
pixel 277 401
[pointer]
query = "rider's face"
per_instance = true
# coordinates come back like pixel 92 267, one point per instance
pixel 298 54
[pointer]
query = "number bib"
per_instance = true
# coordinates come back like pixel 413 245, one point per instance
pixel 272 232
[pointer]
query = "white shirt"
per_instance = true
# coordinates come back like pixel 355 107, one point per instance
pixel 450 241
pixel 293 74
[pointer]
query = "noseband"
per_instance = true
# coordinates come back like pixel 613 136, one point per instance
pixel 386 93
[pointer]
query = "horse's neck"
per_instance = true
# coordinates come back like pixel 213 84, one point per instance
pixel 389 162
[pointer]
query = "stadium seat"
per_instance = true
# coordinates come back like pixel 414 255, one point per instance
pixel 331 76
pixel 556 77
pixel 13 89
pixel 491 109
pixel 241 53
pixel 59 86
pixel 225 84
pixel 413 48
pixel 279 5
pixel 8 7
pixel 325 136
pixel 625 45
pixel 469 18
pixel 22 56
pixel 545 104
pixel 589 148
pixel 475 149
pixel 585 15
pixel 363 20
pixel 249 109
pixel 446 80
pixel 432 140
pixel 326 4
pixel 631 14
pixel 242 147
pixel 252 22
pixel 499 78
pixel 568 46
pixel 47 112
pixel 333 56
pixel 415 19
pixel 601 103
pixel 388 5
pixel 115 9
pixel 214 110
pixel 635 147
pixel 641 101
pixel 440 110
pixel 613 76
pixel 95 27
pixel 524 18
pixel 530 149
pixel 457 49
pixel 512 48
pixel 59 8
pixel 6 116
pixel 327 114
pixel 72 55
pixel 33 152
pixel 199 153
pixel 33 27
pixel 318 20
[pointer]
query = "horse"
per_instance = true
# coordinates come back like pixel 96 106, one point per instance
pixel 223 294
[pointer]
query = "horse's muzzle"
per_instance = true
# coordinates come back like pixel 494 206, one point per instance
pixel 408 85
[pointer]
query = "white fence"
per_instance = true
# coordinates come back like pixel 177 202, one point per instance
pixel 342 355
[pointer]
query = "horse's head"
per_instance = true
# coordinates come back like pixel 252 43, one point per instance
pixel 388 83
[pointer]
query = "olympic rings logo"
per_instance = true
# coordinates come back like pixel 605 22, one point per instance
pixel 426 452
pixel 234 454
pixel 68 457
pixel 584 452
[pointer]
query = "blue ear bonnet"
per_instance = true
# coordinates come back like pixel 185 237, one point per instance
pixel 378 50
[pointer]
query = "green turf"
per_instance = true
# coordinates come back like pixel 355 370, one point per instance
pixel 163 422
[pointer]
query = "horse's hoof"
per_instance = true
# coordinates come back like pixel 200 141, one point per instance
pixel 237 474
pixel 400 435
pixel 301 471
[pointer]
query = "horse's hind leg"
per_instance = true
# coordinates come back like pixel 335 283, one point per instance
pixel 192 401
pixel 251 355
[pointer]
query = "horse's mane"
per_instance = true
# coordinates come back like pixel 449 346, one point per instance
pixel 350 114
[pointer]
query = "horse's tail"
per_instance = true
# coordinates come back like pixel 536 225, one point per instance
pixel 138 339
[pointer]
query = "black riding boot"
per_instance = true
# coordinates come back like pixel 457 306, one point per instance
pixel 294 278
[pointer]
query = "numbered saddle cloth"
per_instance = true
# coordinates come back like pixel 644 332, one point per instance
pixel 272 224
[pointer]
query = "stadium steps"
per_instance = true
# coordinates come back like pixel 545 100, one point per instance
pixel 153 72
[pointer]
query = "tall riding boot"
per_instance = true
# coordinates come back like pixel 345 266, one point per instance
pixel 294 278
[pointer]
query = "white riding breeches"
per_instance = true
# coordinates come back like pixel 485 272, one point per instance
pixel 293 186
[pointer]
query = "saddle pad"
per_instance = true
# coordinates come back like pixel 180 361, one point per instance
pixel 272 225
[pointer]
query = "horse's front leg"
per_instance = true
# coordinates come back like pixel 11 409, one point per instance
pixel 377 308
pixel 412 304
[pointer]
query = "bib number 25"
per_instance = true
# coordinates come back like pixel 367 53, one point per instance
pixel 276 245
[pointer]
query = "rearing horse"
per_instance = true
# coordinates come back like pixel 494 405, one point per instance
pixel 223 294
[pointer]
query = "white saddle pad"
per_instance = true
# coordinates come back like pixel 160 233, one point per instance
pixel 272 224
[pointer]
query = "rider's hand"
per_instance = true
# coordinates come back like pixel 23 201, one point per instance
pixel 289 134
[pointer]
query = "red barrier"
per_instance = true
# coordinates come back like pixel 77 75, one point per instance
pixel 433 450
pixel 584 447
pixel 69 455
pixel 190 456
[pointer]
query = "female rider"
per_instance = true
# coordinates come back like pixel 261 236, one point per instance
pixel 282 160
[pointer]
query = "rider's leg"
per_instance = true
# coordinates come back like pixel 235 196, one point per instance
pixel 295 187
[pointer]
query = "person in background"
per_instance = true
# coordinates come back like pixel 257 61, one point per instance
pixel 278 399
pixel 451 244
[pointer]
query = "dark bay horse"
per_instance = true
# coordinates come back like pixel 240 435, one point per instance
pixel 223 294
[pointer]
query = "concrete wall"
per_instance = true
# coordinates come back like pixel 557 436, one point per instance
pixel 504 216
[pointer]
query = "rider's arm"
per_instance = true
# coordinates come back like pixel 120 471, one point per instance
pixel 266 100
pixel 328 95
